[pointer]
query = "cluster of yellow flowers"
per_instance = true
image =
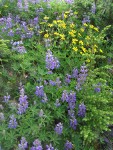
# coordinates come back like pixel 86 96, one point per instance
pixel 81 40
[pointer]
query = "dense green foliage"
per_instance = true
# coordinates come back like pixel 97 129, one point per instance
pixel 36 38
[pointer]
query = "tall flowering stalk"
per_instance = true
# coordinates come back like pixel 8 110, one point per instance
pixel 36 145
pixel 82 110
pixel 81 77
pixel 12 123
pixel 23 103
pixel 6 98
pixel 59 128
pixel 51 61
pixel 23 144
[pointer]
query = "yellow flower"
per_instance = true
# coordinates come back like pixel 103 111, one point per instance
pixel 65 16
pixel 72 33
pixel 81 42
pixel 62 36
pixel 62 25
pixel 96 29
pixel 46 18
pixel 84 49
pixel 60 21
pixel 75 49
pixel 54 21
pixel 88 60
pixel 91 26
pixel 72 25
pixel 95 50
pixel 95 46
pixel 81 53
pixel 85 25
pixel 101 50
pixel 87 38
pixel 79 34
pixel 82 30
pixel 50 25
pixel 74 41
pixel 46 35
pixel 56 33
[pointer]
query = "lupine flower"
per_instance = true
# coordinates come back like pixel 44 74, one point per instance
pixel 69 1
pixel 93 8
pixel 57 103
pixel 45 82
pixel 36 145
pixel 73 123
pixel 58 82
pixel 75 73
pixel 26 5
pixel 19 4
pixel 18 31
pixel 40 91
pixel 21 89
pixel 6 98
pixel 23 144
pixel 41 113
pixel 23 104
pixel 59 128
pixel 68 145
pixel 81 77
pixel 68 78
pixel 97 89
pixel 29 34
pixel 45 99
pixel 51 61
pixel 82 110
pixel 9 22
pixel 20 49
pixel 72 100
pixel 11 33
pixel 64 96
pixel 35 21
pixel 49 147
pixel 53 83
pixel 50 72
pixel 12 123
pixel 39 10
pixel 86 19
pixel 71 113
pixel 2 118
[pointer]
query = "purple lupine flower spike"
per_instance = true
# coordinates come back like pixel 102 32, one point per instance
pixel 59 128
pixel 39 91
pixel 49 147
pixel 36 145
pixel 12 123
pixel 65 96
pixel 23 144
pixel 82 110
pixel 73 123
pixel 75 73
pixel 93 8
pixel 51 61
pixel 6 98
pixel 23 104
pixel 68 145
